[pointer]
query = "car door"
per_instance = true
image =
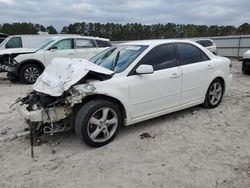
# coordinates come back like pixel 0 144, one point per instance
pixel 152 93
pixel 197 70
pixel 85 48
pixel 63 48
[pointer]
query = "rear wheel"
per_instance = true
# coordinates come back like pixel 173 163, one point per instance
pixel 29 73
pixel 98 122
pixel 214 94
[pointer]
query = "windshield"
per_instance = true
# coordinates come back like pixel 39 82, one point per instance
pixel 46 43
pixel 118 58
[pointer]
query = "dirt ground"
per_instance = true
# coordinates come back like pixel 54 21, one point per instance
pixel 192 148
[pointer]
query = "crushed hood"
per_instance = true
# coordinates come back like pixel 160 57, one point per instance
pixel 62 73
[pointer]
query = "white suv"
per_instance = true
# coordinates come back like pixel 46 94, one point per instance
pixel 27 64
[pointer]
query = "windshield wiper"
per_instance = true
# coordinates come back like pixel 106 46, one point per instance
pixel 114 63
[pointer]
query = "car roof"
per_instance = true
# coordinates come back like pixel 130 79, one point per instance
pixel 155 42
pixel 81 37
pixel 199 39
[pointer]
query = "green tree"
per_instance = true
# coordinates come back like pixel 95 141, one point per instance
pixel 243 29
pixel 51 30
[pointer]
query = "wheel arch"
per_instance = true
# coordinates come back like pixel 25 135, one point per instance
pixel 29 61
pixel 109 98
pixel 222 80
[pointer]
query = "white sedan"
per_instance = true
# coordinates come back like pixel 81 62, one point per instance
pixel 124 85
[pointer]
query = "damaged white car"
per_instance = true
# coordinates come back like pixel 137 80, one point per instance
pixel 123 85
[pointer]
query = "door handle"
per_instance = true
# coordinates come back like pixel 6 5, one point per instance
pixel 175 75
pixel 70 54
pixel 210 66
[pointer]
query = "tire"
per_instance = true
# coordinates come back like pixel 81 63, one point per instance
pixel 214 94
pixel 100 132
pixel 29 73
pixel 244 70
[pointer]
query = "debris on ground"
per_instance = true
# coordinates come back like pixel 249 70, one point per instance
pixel 146 135
pixel 194 112
pixel 4 132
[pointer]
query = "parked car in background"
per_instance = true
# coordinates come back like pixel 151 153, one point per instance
pixel 26 41
pixel 207 43
pixel 124 85
pixel 246 62
pixel 27 64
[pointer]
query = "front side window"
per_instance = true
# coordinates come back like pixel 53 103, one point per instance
pixel 84 43
pixel 15 42
pixel 65 44
pixel 189 54
pixel 118 58
pixel 161 57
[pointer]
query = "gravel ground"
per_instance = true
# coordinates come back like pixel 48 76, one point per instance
pixel 192 148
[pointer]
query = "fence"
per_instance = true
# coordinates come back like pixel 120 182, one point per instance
pixel 232 46
pixel 228 46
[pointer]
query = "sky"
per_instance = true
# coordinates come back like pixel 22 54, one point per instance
pixel 61 13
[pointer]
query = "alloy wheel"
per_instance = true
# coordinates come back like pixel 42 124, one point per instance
pixel 31 74
pixel 102 125
pixel 215 93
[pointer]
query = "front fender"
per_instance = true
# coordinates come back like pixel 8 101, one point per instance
pixel 116 88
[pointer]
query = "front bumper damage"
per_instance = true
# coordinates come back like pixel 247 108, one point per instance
pixel 7 59
pixel 8 64
pixel 47 114
pixel 37 118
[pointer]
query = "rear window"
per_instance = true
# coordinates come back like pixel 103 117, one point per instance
pixel 15 42
pixel 189 54
pixel 101 43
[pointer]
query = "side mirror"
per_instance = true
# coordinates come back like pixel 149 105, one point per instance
pixel 145 69
pixel 53 48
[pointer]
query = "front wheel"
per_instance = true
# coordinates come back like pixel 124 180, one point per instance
pixel 29 73
pixel 98 122
pixel 214 94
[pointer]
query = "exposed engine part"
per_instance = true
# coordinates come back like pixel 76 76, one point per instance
pixel 57 127
pixel 42 100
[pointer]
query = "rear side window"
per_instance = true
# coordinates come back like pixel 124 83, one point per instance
pixel 64 44
pixel 161 57
pixel 205 43
pixel 101 43
pixel 84 43
pixel 189 54
pixel 15 42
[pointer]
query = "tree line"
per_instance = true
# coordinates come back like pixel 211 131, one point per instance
pixel 130 31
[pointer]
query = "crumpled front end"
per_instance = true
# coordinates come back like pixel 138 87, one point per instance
pixel 44 113
pixel 50 107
